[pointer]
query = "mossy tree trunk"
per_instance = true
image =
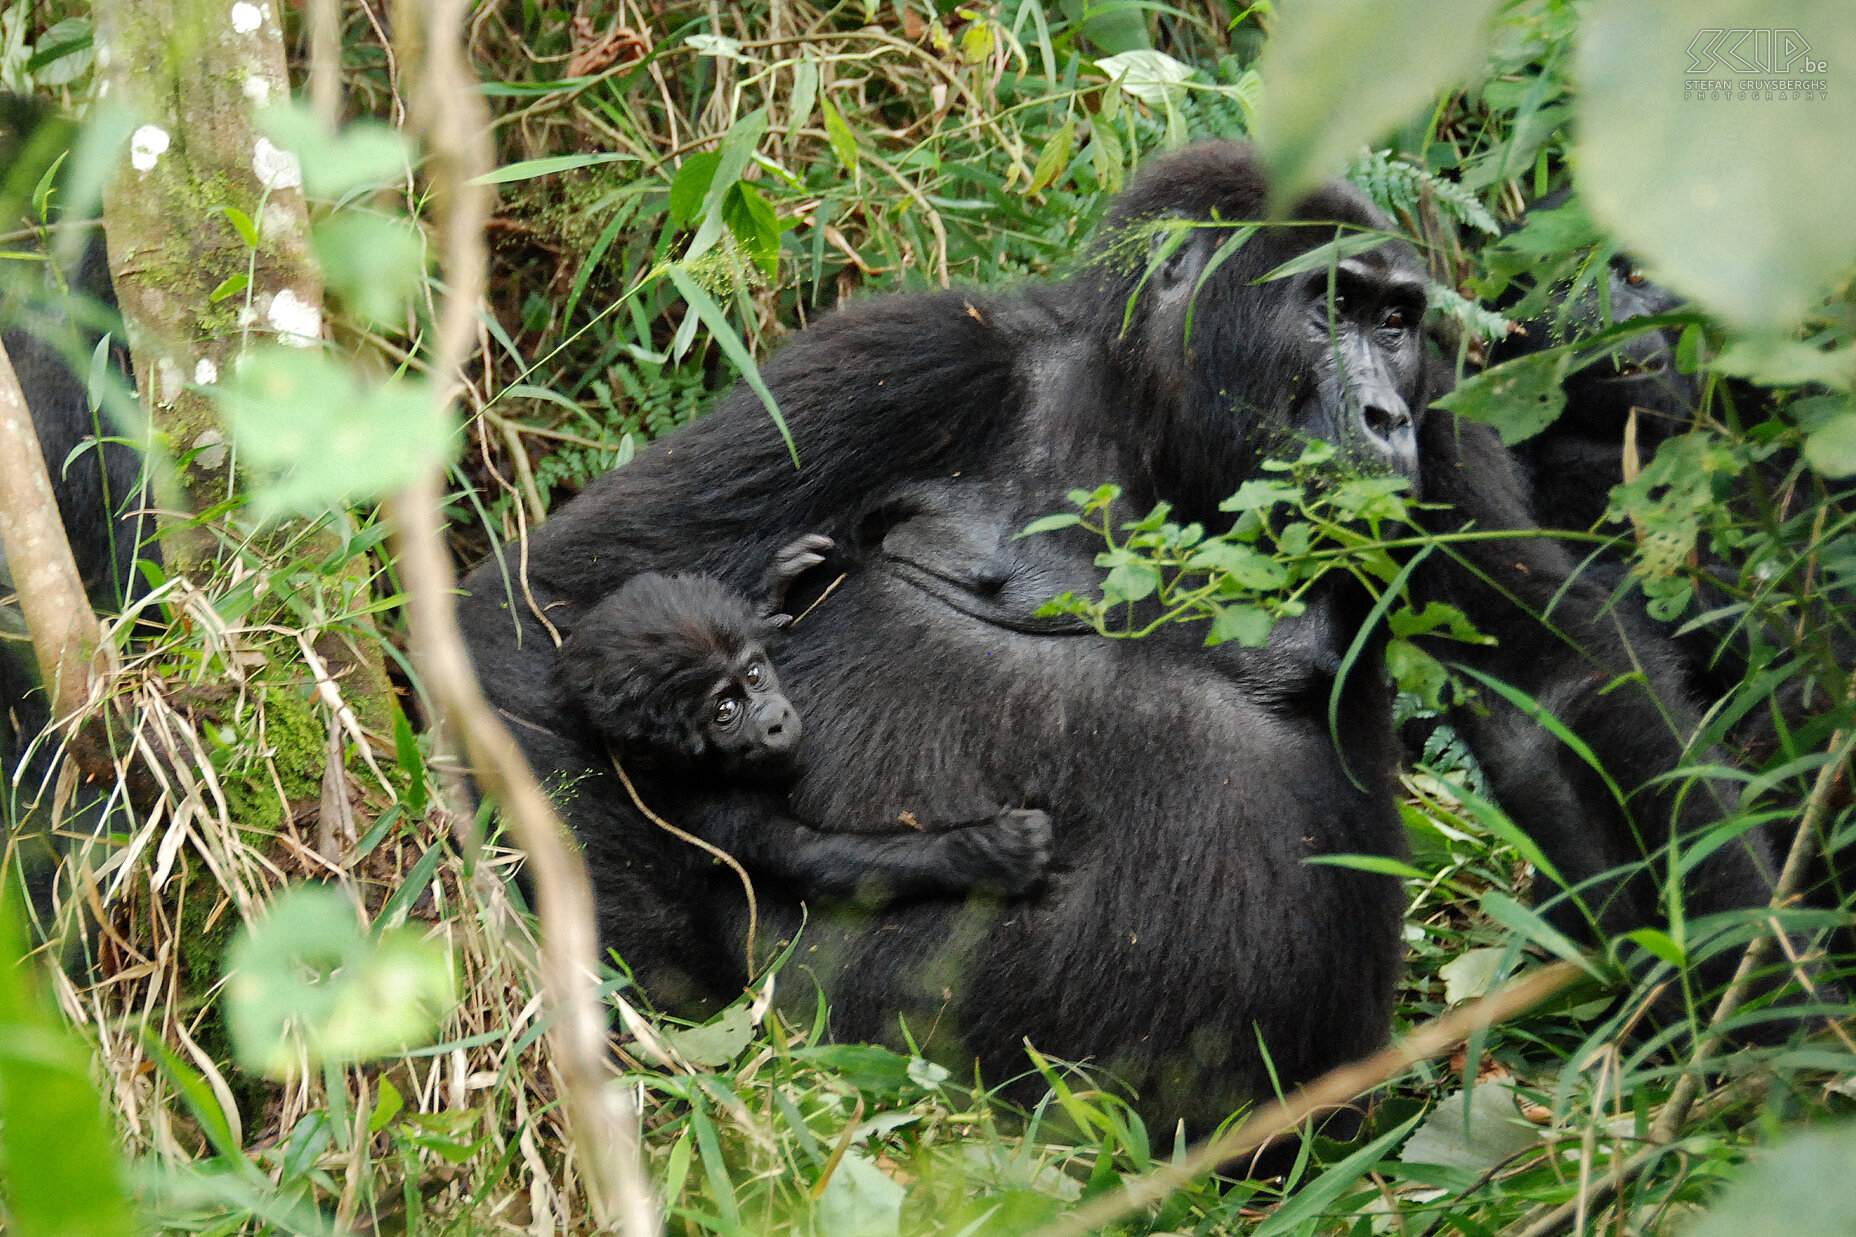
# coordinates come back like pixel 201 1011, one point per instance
pixel 208 234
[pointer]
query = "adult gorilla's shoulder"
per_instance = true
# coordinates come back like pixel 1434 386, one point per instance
pixel 1187 786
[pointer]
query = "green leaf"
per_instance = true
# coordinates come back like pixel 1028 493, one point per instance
pixel 1250 568
pixel 58 1152
pixel 804 96
pixel 712 317
pixel 1831 448
pixel 1519 398
pixel 1260 495
pixel 716 1042
pixel 1472 974
pixel 364 153
pixel 308 985
pixel 231 285
pixel 1800 1188
pixel 372 262
pixel 1054 160
pixel 1417 672
pixel 843 141
pixel 860 1200
pixel 1379 865
pixel 315 437
pixel 737 151
pixel 242 224
pixel 529 169
pixel 1130 582
pixel 1051 523
pixel 1341 73
pixel 1154 78
pixel 754 226
pixel 691 186
pixel 1249 625
pixel 1740 203
pixel 1661 944
pixel 1473 1131
pixel 1318 1195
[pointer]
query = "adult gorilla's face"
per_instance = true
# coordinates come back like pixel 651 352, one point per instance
pixel 1234 367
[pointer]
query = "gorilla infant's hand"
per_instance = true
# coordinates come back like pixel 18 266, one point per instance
pixel 795 558
pixel 1007 855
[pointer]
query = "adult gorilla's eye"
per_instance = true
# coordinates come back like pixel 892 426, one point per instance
pixel 1635 276
pixel 1396 320
pixel 727 711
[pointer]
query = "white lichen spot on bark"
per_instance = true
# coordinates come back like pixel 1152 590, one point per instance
pixel 295 320
pixel 146 146
pixel 257 88
pixel 168 381
pixel 277 220
pixel 246 17
pixel 205 373
pixel 275 167
pixel 211 446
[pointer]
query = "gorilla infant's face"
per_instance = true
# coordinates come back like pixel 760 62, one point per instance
pixel 750 723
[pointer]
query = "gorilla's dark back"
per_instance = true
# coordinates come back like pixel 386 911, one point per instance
pixel 1186 786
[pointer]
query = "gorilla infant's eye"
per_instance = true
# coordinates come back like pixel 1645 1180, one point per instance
pixel 1396 320
pixel 727 711
pixel 1635 276
pixel 757 675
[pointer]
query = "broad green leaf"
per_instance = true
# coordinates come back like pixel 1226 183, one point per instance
pixel 1249 625
pixel 307 984
pixel 691 185
pixel 737 151
pixel 1471 974
pixel 1474 1130
pixel 1341 73
pixel 1112 25
pixel 1800 1188
pixel 805 94
pixel 716 1042
pixel 1050 523
pixel 754 226
pixel 1741 202
pixel 373 262
pixel 1250 568
pixel 1831 449
pixel 860 1200
pixel 1129 582
pixel 1519 398
pixel 364 153
pixel 59 1162
pixel 1150 76
pixel 1055 160
pixel 315 437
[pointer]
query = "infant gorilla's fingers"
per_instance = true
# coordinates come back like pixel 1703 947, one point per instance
pixel 801 555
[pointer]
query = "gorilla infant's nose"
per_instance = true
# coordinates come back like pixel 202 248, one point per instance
pixel 1385 417
pixel 780 731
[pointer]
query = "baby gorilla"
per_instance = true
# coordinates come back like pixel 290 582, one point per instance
pixel 672 672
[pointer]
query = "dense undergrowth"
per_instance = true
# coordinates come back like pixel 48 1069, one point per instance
pixel 678 188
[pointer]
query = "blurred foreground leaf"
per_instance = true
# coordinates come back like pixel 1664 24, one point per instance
pixel 60 1172
pixel 1340 73
pixel 313 435
pixel 1743 201
pixel 308 985
pixel 1803 1188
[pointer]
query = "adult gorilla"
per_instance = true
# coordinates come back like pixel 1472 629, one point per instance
pixel 1181 926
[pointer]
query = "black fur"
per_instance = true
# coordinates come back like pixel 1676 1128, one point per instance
pixel 672 673
pixel 97 478
pixel 1180 929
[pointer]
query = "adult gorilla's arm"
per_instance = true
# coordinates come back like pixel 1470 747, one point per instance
pixel 884 392
pixel 1569 662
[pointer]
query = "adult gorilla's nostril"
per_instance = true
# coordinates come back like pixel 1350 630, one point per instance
pixel 1386 418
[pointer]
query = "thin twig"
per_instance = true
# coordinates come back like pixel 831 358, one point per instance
pixel 1335 1088
pixel 602 1123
